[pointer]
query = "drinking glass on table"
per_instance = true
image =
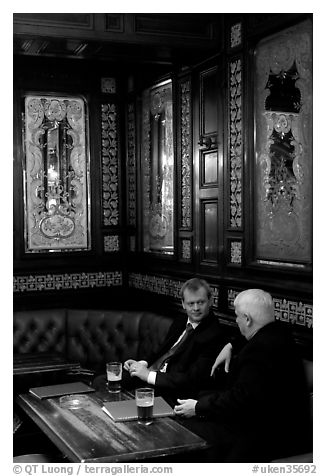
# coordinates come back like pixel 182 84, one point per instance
pixel 114 376
pixel 145 403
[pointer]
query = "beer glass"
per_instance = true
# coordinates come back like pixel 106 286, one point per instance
pixel 114 375
pixel 145 403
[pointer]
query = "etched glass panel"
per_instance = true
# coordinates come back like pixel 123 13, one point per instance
pixel 283 108
pixel 157 160
pixel 57 203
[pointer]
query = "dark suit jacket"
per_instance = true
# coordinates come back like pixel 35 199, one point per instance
pixel 189 368
pixel 266 396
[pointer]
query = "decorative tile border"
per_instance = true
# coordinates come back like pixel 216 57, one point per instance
pixel 155 284
pixel 54 282
pixel 165 286
pixel 111 243
pixel 293 312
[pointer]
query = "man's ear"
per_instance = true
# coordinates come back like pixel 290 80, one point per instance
pixel 183 304
pixel 248 319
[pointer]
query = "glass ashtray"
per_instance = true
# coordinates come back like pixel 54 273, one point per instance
pixel 73 402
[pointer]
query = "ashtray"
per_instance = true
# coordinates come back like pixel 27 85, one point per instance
pixel 72 402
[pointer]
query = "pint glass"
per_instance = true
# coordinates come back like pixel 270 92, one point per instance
pixel 145 403
pixel 114 375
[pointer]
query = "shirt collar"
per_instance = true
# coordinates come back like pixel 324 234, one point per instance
pixel 193 324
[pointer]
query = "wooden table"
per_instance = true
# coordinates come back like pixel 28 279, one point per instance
pixel 30 363
pixel 88 434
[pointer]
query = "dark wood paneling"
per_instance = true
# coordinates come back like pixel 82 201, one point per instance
pixel 156 38
pixel 178 24
pixel 59 20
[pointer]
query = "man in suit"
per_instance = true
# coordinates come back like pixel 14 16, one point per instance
pixel 262 414
pixel 183 363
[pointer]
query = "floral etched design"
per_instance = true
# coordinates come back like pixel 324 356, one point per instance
pixel 110 168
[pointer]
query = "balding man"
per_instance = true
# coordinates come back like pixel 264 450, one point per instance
pixel 262 414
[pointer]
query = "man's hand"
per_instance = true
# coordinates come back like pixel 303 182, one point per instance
pixel 128 363
pixel 140 370
pixel 224 356
pixel 186 408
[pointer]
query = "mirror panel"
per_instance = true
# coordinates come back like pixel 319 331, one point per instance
pixel 157 165
pixel 283 185
pixel 56 174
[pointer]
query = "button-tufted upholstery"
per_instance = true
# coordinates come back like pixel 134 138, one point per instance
pixel 40 331
pixel 90 336
pixel 99 336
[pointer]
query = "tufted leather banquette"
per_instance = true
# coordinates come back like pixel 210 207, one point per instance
pixel 89 336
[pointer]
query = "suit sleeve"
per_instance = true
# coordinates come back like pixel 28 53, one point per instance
pixel 246 392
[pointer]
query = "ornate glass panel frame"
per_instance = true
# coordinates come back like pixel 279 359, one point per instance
pixel 157 169
pixel 283 179
pixel 56 173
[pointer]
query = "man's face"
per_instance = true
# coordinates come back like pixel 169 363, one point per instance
pixel 196 304
pixel 241 320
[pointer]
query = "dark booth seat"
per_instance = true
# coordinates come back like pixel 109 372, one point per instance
pixel 89 336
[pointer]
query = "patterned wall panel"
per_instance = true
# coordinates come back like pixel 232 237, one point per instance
pixel 110 166
pixel 131 166
pixel 215 296
pixel 55 282
pixel 108 85
pixel 235 142
pixel 186 248
pixel 186 156
pixel 236 35
pixel 235 252
pixel 111 243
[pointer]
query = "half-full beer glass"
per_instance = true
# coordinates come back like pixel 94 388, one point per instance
pixel 114 375
pixel 145 403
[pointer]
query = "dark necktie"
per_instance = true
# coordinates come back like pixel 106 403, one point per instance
pixel 160 362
